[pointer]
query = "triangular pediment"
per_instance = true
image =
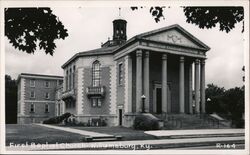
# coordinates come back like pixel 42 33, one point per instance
pixel 174 35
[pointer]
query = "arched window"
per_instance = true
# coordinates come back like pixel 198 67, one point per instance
pixel 96 74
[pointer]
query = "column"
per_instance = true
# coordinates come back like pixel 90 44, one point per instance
pixel 164 87
pixel 190 88
pixel 203 100
pixel 181 85
pixel 138 79
pixel 197 104
pixel 146 80
pixel 129 83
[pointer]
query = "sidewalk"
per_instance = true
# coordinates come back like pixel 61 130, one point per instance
pixel 132 145
pixel 168 133
pixel 81 132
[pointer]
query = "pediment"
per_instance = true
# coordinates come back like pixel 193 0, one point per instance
pixel 174 35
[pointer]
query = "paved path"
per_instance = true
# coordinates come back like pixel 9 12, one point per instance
pixel 81 132
pixel 162 133
pixel 137 144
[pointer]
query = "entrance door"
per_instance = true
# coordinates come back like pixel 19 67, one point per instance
pixel 158 101
pixel 120 117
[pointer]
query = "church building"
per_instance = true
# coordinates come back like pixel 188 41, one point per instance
pixel 151 72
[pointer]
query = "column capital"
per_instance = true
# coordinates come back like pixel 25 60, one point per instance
pixel 197 61
pixel 146 54
pixel 203 61
pixel 164 56
pixel 182 58
pixel 139 53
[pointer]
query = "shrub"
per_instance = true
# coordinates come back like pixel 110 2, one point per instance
pixel 57 119
pixel 146 122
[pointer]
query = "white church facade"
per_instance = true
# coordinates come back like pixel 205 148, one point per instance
pixel 111 82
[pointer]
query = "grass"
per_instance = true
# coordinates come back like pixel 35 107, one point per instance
pixel 29 133
pixel 126 133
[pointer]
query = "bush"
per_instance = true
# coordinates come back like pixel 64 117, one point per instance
pixel 146 122
pixel 57 119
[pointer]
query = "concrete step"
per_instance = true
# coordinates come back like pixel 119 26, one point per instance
pixel 102 138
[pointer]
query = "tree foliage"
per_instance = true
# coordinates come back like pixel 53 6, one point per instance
pixel 227 102
pixel 206 17
pixel 10 100
pixel 27 28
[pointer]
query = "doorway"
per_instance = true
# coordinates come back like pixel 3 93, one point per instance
pixel 120 117
pixel 157 98
pixel 158 101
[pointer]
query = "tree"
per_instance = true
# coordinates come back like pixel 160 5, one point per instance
pixel 215 94
pixel 234 99
pixel 27 28
pixel 206 17
pixel 10 100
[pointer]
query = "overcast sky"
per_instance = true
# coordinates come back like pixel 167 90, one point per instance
pixel 88 27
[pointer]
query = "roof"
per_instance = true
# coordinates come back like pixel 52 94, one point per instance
pixel 143 35
pixel 39 76
pixel 98 51
pixel 114 49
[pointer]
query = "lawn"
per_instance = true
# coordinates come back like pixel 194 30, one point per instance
pixel 20 134
pixel 126 133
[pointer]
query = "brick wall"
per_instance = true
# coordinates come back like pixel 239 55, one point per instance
pixel 40 89
pixel 120 87
pixel 105 81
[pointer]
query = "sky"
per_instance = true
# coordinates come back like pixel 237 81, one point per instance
pixel 89 27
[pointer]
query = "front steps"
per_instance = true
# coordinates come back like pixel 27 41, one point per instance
pixel 102 138
pixel 189 121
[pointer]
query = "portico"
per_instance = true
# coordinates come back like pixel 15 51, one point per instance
pixel 161 63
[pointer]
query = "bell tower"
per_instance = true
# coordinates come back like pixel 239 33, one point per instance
pixel 119 29
pixel 119 32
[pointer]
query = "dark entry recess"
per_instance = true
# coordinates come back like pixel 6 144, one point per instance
pixel 120 117
pixel 158 101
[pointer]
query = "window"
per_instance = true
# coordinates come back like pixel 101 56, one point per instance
pixel 74 69
pixel 32 107
pixel 47 84
pixel 96 102
pixel 70 74
pixel 46 108
pixel 47 95
pixel 32 83
pixel 120 70
pixel 66 80
pixel 32 94
pixel 96 74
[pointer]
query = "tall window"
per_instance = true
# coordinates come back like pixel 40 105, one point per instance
pixel 96 74
pixel 120 74
pixel 70 79
pixel 47 95
pixel 32 94
pixel 32 83
pixel 74 70
pixel 67 72
pixel 96 102
pixel 32 107
pixel 47 84
pixel 46 108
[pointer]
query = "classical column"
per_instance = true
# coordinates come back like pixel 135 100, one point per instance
pixel 146 80
pixel 202 91
pixel 190 88
pixel 138 79
pixel 181 85
pixel 129 83
pixel 164 83
pixel 197 104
